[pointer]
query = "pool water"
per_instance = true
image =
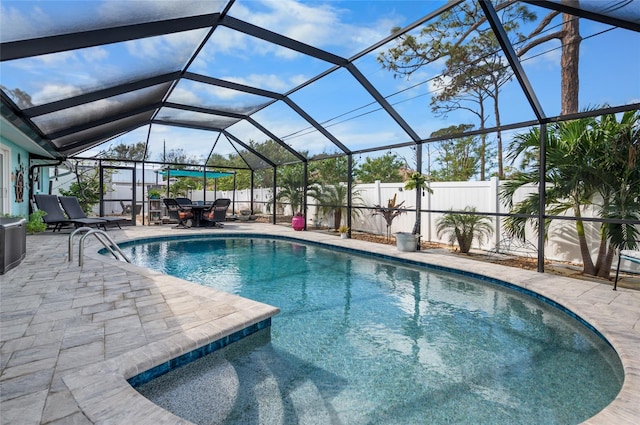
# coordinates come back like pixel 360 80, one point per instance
pixel 360 340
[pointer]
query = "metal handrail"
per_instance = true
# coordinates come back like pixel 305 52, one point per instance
pixel 110 245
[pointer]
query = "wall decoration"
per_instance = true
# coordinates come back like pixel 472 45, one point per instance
pixel 19 181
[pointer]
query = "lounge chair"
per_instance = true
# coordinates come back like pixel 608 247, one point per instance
pixel 73 209
pixel 217 214
pixel 178 212
pixel 56 218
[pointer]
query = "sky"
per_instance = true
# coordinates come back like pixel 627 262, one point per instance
pixel 609 70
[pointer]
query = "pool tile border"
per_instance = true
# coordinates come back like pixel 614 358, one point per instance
pixel 176 362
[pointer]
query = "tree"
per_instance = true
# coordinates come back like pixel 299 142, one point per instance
pixel 458 158
pixel 332 199
pixel 277 154
pixel 290 185
pixel 87 185
pixel 242 177
pixel 21 98
pixel 617 181
pixel 566 190
pixel 473 68
pixel 178 158
pixel 134 152
pixel 385 168
pixel 418 182
pixel 182 186
pixel 330 170
pixel 590 162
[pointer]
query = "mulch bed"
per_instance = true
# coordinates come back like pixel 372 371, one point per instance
pixel 526 263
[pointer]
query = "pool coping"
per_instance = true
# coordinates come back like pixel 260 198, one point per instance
pixel 103 394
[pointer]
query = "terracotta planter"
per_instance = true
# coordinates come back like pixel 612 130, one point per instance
pixel 297 222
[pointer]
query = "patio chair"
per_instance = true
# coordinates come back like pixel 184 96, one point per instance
pixel 217 214
pixel 73 209
pixel 185 202
pixel 178 212
pixel 126 208
pixel 56 218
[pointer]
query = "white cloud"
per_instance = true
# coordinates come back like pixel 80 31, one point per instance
pixel 20 24
pixel 54 91
pixel 222 93
pixel 317 25
pixel 53 60
pixel 185 96
pixel 115 11
pixel 94 54
pixel 173 48
pixel 272 82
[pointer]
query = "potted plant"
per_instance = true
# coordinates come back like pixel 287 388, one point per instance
pixel 463 228
pixel 154 194
pixel 344 231
pixel 297 222
pixel 245 215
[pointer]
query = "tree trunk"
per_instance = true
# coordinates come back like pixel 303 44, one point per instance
pixel 337 218
pixel 496 111
pixel 605 268
pixel 587 262
pixel 483 148
pixel 464 240
pixel 569 60
pixel 483 143
pixel 602 253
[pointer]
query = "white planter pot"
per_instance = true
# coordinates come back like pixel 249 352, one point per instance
pixel 406 241
pixel 344 235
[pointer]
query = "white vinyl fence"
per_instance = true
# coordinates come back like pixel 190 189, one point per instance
pixel 561 244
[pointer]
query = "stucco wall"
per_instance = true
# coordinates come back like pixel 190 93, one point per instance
pixel 19 163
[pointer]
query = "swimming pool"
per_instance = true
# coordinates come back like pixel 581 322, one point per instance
pixel 363 340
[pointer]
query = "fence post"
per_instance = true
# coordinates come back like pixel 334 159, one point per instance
pixel 495 194
pixel 429 212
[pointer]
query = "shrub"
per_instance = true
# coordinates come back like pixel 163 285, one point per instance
pixel 464 228
pixel 35 223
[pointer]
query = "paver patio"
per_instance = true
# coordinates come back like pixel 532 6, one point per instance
pixel 71 336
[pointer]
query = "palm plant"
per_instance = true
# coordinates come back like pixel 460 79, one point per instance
pixel 290 187
pixel 464 227
pixel 332 199
pixel 390 212
pixel 619 184
pixel 417 181
pixel 585 157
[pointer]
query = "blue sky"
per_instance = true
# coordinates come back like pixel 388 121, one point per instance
pixel 609 69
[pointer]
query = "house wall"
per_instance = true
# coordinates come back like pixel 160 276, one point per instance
pixel 41 185
pixel 18 164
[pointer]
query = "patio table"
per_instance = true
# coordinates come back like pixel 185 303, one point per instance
pixel 197 210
